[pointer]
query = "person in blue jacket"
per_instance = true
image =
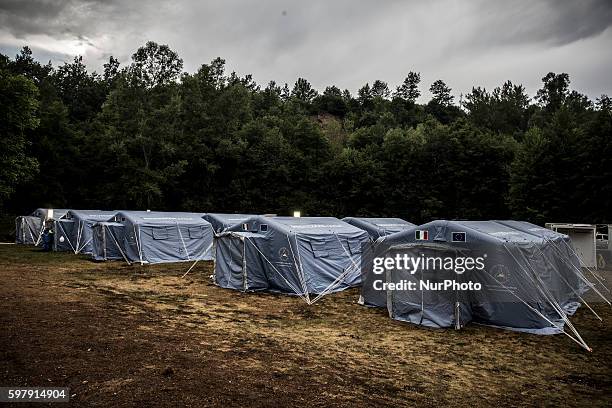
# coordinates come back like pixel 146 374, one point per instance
pixel 47 237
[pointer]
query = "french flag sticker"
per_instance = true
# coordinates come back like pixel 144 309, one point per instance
pixel 421 235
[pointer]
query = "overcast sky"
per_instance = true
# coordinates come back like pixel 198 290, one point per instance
pixel 335 42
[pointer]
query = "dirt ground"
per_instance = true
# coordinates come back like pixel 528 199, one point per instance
pixel 133 336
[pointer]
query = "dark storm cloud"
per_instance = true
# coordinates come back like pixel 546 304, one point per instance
pixel 35 8
pixel 342 42
pixel 556 22
pixel 39 16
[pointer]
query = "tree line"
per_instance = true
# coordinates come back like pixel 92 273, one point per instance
pixel 150 136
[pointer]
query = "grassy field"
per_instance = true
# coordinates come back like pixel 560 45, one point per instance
pixel 133 336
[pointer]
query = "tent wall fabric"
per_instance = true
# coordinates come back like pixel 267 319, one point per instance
pixel 153 237
pixel 530 280
pixel 379 227
pixel 73 231
pixel 29 228
pixel 221 222
pixel 302 256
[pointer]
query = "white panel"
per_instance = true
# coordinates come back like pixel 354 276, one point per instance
pixel 583 241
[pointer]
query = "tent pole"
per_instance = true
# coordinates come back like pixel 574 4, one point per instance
pixel 583 345
pixel 245 278
pixel 552 302
pixel 570 286
pixel 118 247
pixel 76 251
pixel 136 237
pixel 196 261
pixel 30 231
pixel 299 271
pixel 595 275
pixel 104 241
pixel 182 241
pixel 65 234
pixel 579 273
pixel 277 271
pixel 42 228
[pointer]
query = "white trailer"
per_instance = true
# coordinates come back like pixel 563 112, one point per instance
pixel 604 246
pixel 583 240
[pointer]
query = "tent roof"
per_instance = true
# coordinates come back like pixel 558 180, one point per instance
pixel 532 229
pixel 307 225
pixel 42 212
pixel 221 221
pixel 91 215
pixel 229 218
pixel 386 225
pixel 161 218
pixel 489 229
pixel 382 222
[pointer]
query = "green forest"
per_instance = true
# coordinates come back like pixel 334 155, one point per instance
pixel 151 136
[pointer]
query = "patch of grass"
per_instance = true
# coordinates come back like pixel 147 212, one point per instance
pixel 18 254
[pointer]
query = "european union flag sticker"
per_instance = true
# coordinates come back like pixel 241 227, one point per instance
pixel 458 237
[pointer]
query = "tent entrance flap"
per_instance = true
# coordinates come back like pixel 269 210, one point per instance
pixel 422 301
pixel 232 272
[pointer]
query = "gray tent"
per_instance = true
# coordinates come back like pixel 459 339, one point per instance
pixel 221 222
pixel 564 248
pixel 301 256
pixel 529 279
pixel 153 237
pixel 73 231
pixel 379 227
pixel 29 228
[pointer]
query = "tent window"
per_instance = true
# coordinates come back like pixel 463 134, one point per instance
pixel 160 233
pixel 263 227
pixel 319 249
pixel 245 227
pixel 196 232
